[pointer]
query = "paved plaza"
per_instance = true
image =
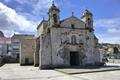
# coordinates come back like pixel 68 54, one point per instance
pixel 16 72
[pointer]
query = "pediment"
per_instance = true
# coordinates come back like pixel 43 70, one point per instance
pixel 72 20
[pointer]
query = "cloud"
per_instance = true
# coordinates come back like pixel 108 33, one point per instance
pixel 110 30
pixel 38 7
pixel 111 25
pixel 107 23
pixel 33 10
pixel 10 33
pixel 114 30
pixel 11 21
pixel 20 19
pixel 108 38
pixel 41 6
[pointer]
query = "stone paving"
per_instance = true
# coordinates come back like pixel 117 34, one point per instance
pixel 16 72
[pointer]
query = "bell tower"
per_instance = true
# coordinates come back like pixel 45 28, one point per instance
pixel 54 18
pixel 88 19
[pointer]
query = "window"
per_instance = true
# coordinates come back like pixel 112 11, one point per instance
pixel 55 18
pixel 72 26
pixel 89 22
pixel 73 39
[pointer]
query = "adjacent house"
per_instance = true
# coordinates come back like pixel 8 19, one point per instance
pixel 15 44
pixel 5 47
pixel 27 49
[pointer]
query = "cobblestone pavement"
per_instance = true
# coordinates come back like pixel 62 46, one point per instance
pixel 16 72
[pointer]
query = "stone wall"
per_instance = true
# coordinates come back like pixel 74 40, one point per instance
pixel 55 47
pixel 27 49
pixel 61 39
pixel 45 58
pixel 114 61
pixel 36 54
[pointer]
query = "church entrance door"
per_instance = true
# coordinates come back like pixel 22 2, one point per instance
pixel 74 58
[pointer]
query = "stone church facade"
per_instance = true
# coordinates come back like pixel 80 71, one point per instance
pixel 65 43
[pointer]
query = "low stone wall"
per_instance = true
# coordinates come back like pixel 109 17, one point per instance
pixel 114 60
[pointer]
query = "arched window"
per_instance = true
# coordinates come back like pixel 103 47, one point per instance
pixel 55 18
pixel 73 39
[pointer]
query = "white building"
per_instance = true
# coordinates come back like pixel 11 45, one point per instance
pixel 5 46
pixel 15 45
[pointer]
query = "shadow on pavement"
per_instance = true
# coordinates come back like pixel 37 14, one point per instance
pixel 87 69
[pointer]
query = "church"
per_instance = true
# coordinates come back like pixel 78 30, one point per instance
pixel 66 43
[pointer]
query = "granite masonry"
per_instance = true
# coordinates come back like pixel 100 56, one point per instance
pixel 67 42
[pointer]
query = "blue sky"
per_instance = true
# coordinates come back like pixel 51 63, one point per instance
pixel 23 16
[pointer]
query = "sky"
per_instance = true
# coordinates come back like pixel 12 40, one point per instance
pixel 23 16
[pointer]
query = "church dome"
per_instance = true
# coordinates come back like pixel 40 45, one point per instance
pixel 53 7
pixel 1 34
